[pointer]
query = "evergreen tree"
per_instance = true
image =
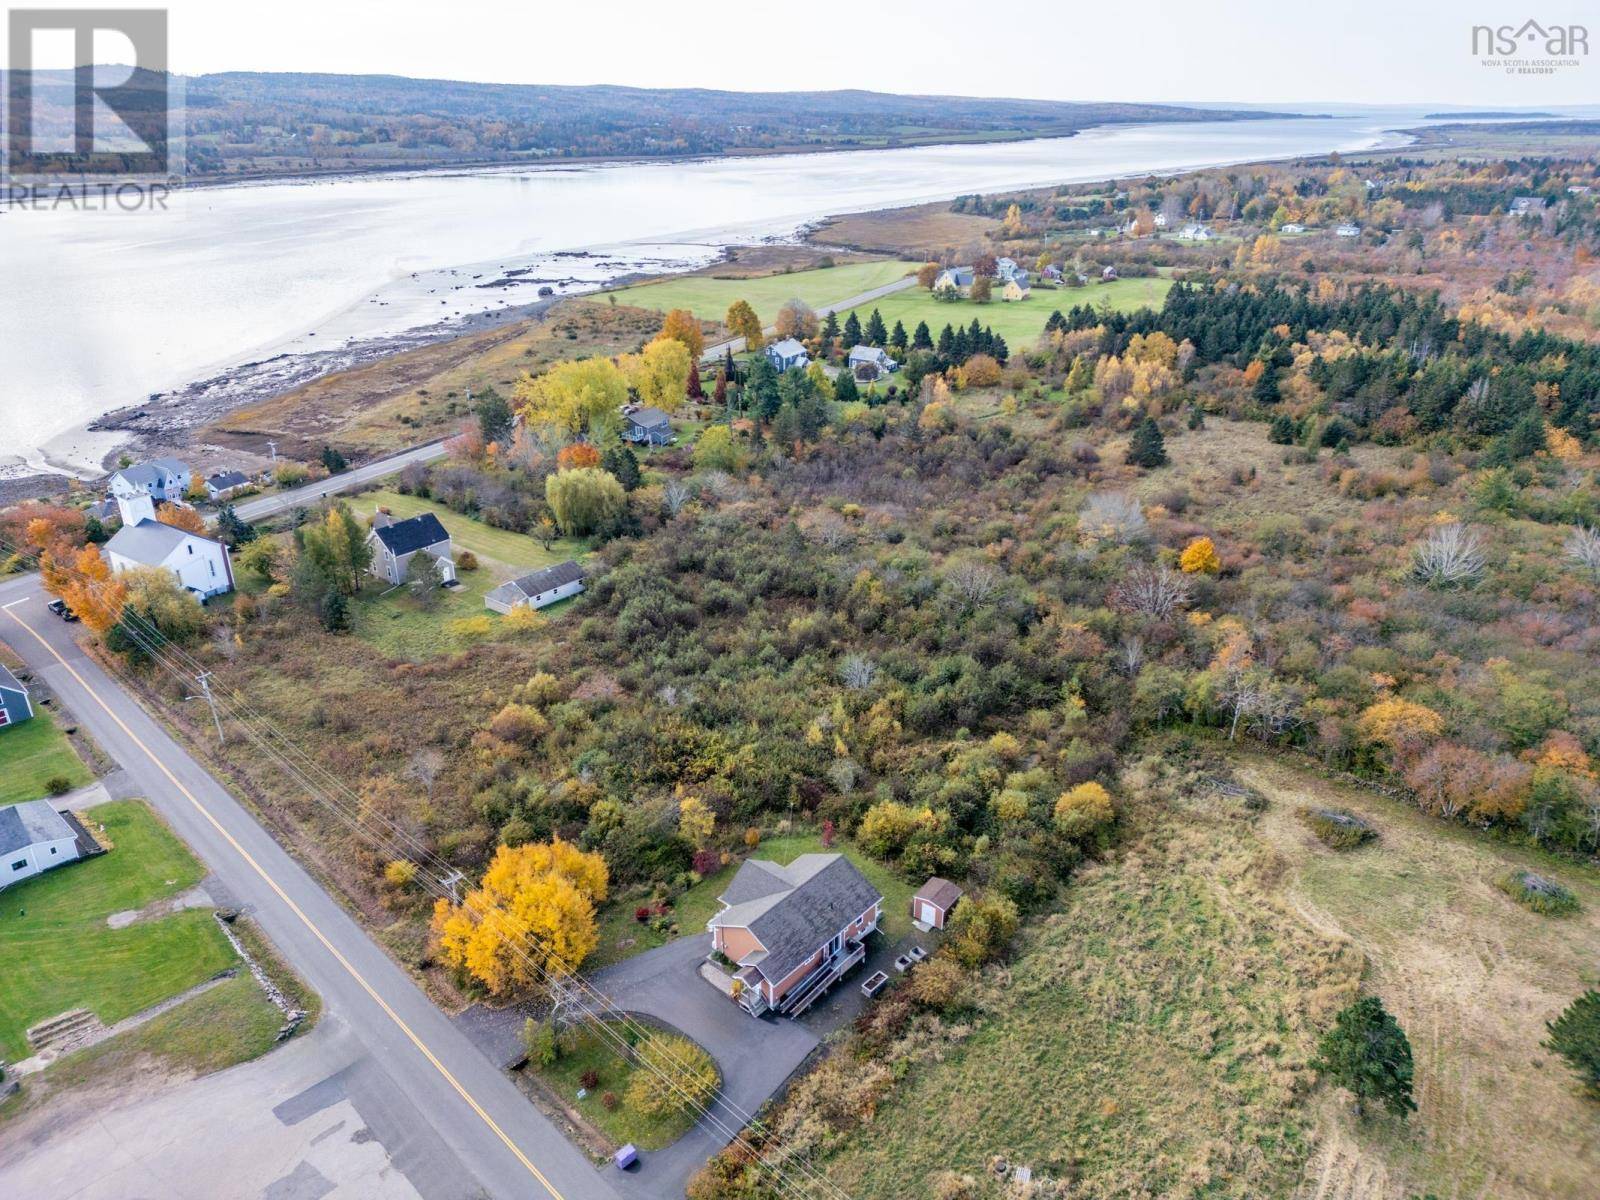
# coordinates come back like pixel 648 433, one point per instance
pixel 897 339
pixel 761 392
pixel 1367 1052
pixel 730 368
pixel 830 331
pixel 94 530
pixel 1056 322
pixel 1265 391
pixel 1197 417
pixel 334 611
pixel 234 530
pixel 1282 430
pixel 947 341
pixel 922 339
pixel 333 460
pixel 495 418
pixel 844 387
pixel 1147 448
pixel 1575 1036
pixel 876 334
pixel 1526 438
pixel 623 465
pixel 852 332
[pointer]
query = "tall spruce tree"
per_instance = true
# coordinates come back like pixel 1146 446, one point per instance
pixel 1367 1052
pixel 852 332
pixel 1147 448
pixel 876 334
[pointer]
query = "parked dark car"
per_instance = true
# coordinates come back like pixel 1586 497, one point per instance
pixel 59 607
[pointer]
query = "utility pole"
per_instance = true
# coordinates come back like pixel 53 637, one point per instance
pixel 204 680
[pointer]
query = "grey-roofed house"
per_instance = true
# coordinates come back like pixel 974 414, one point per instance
pixel 787 354
pixel 160 478
pixel 793 931
pixel 647 427
pixel 34 837
pixel 537 589
pixel 224 483
pixel 396 543
pixel 16 706
pixel 874 357
pixel 1527 205
pixel 959 278
pixel 201 564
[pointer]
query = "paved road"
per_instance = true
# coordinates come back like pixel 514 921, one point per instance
pixel 311 493
pixel 457 1103
pixel 736 345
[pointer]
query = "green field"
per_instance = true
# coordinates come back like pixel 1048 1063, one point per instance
pixel 395 624
pixel 1019 322
pixel 709 298
pixel 621 936
pixel 33 753
pixel 583 1050
pixel 56 924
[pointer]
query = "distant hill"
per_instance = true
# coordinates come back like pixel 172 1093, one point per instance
pixel 246 123
pixel 1485 115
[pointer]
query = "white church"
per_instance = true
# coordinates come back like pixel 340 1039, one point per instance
pixel 200 563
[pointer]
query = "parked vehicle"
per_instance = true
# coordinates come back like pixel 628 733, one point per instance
pixel 59 607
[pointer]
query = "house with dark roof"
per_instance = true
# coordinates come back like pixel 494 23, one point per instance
pixel 224 484
pixel 16 706
pixel 34 837
pixel 647 427
pixel 793 931
pixel 538 589
pixel 956 278
pixel 395 543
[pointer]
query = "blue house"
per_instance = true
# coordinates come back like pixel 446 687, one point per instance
pixel 647 427
pixel 787 354
pixel 15 704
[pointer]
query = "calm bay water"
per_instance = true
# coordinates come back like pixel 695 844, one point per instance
pixel 104 309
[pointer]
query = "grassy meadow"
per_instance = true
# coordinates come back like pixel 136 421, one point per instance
pixel 1021 321
pixel 32 754
pixel 56 923
pixel 709 297
pixel 395 624
pixel 1153 1037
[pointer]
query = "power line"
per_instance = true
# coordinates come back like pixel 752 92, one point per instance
pixel 183 665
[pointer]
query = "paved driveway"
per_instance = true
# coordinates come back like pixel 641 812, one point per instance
pixel 756 1057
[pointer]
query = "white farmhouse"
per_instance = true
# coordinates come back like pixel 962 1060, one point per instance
pixel 34 837
pixel 159 478
pixel 538 589
pixel 200 563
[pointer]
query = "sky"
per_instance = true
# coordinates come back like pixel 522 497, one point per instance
pixel 1248 51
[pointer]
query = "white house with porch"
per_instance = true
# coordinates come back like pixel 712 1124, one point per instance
pixel 201 564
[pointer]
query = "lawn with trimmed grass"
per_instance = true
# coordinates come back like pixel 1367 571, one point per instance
pixel 622 936
pixel 708 298
pixel 1019 322
pixel 56 924
pixel 394 623
pixel 582 1051
pixel 32 754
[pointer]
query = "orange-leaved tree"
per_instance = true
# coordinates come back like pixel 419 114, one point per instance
pixel 681 326
pixel 85 582
pixel 577 454
pixel 531 916
pixel 1200 558
pixel 182 517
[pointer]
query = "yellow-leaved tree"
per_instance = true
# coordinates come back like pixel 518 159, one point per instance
pixel 583 396
pixel 1084 811
pixel 532 915
pixel 743 322
pixel 1401 725
pixel 659 373
pixel 86 584
pixel 1200 558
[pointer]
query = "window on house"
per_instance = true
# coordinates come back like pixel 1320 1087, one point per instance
pixel 19 864
pixel 52 849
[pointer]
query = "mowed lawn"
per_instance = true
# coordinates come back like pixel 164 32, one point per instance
pixel 55 924
pixel 1021 321
pixel 621 936
pixel 32 754
pixel 709 298
pixel 397 625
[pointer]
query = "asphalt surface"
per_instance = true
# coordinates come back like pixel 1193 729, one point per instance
pixel 312 493
pixel 458 1103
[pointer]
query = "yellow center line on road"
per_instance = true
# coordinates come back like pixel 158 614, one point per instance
pixel 296 909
